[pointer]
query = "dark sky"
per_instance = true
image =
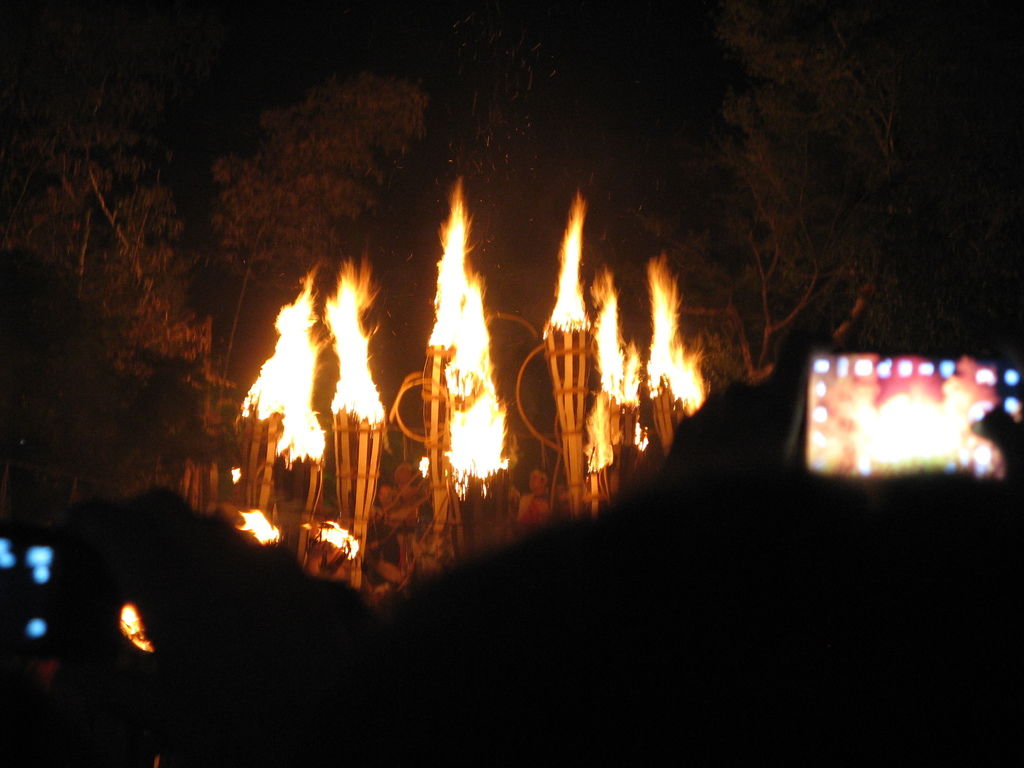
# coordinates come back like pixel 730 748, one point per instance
pixel 591 95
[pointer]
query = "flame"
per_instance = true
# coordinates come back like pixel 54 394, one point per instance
pixel 132 628
pixel 631 376
pixel 569 312
pixel 599 422
pixel 334 534
pixel 451 274
pixel 425 466
pixel 669 364
pixel 610 358
pixel 477 419
pixel 285 383
pixel 236 475
pixel 356 392
pixel 262 530
pixel 640 437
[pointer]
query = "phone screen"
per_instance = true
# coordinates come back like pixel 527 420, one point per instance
pixel 870 414
pixel 55 598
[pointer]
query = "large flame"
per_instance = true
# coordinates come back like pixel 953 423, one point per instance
pixel 356 392
pixel 285 383
pixel 257 525
pixel 451 274
pixel 669 364
pixel 477 419
pixel 569 312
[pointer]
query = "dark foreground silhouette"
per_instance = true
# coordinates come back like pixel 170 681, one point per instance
pixel 736 610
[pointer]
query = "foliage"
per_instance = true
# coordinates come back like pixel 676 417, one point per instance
pixel 316 170
pixel 86 231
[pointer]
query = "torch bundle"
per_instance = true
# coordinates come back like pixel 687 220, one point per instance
pixel 567 342
pixel 676 386
pixel 357 408
pixel 278 425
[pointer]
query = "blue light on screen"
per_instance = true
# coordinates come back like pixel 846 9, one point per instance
pixel 7 558
pixel 35 628
pixel 40 558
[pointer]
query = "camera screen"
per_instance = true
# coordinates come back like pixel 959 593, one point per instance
pixel 26 573
pixel 870 414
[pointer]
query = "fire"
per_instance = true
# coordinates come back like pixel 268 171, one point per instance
pixel 610 358
pixel 477 419
pixel 356 392
pixel 425 466
pixel 631 376
pixel 132 628
pixel 599 430
pixel 451 275
pixel 569 312
pixel 236 475
pixel 603 426
pixel 261 529
pixel 334 534
pixel 285 383
pixel 669 364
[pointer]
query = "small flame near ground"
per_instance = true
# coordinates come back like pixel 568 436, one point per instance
pixel 133 629
pixel 334 534
pixel 669 364
pixel 256 525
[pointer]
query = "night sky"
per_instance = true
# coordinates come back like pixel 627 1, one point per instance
pixel 590 99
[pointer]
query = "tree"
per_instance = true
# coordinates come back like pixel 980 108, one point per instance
pixel 316 171
pixel 869 179
pixel 86 232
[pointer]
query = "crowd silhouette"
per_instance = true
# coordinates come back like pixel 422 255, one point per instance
pixel 734 609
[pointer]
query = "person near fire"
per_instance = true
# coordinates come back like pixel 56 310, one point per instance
pixel 535 506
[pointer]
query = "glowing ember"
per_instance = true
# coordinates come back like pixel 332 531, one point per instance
pixel 285 383
pixel 236 475
pixel 132 628
pixel 334 534
pixel 569 312
pixel 356 392
pixel 669 364
pixel 261 529
pixel 477 419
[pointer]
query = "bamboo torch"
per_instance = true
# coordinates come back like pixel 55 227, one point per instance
pixel 676 386
pixel 358 411
pixel 465 422
pixel 280 430
pixel 567 340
